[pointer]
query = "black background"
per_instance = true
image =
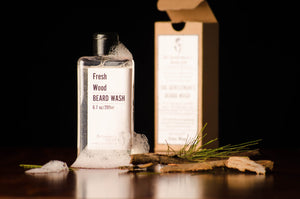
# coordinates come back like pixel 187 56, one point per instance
pixel 41 43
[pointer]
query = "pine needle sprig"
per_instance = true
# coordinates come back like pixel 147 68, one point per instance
pixel 195 150
pixel 34 166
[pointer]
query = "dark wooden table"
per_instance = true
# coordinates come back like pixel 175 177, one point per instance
pixel 284 182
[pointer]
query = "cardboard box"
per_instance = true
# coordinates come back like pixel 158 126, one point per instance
pixel 186 74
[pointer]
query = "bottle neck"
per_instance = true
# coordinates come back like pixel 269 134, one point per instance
pixel 103 43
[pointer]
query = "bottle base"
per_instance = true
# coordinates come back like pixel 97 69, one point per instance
pixel 97 159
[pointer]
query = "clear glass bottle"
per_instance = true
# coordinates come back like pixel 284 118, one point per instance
pixel 105 96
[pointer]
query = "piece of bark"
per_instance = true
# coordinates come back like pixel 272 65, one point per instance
pixel 240 163
pixel 193 167
pixel 156 159
pixel 167 159
pixel 268 164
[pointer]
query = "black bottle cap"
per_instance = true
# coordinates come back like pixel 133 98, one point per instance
pixel 104 42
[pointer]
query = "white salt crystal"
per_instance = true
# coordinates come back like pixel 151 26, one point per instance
pixel 54 166
pixel 139 144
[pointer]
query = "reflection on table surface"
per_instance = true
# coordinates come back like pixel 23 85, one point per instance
pixel 114 183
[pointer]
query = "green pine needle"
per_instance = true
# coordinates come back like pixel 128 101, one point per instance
pixel 30 166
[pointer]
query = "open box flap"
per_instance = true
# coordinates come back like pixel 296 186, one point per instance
pixel 187 10
pixel 164 5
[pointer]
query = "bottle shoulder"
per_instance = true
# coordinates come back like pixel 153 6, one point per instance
pixel 104 61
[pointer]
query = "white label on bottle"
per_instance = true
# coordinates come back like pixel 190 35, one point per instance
pixel 177 88
pixel 109 108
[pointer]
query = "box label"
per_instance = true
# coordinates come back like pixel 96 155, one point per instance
pixel 177 88
pixel 109 108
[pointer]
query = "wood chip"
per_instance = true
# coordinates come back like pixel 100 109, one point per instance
pixel 244 163
pixel 142 166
